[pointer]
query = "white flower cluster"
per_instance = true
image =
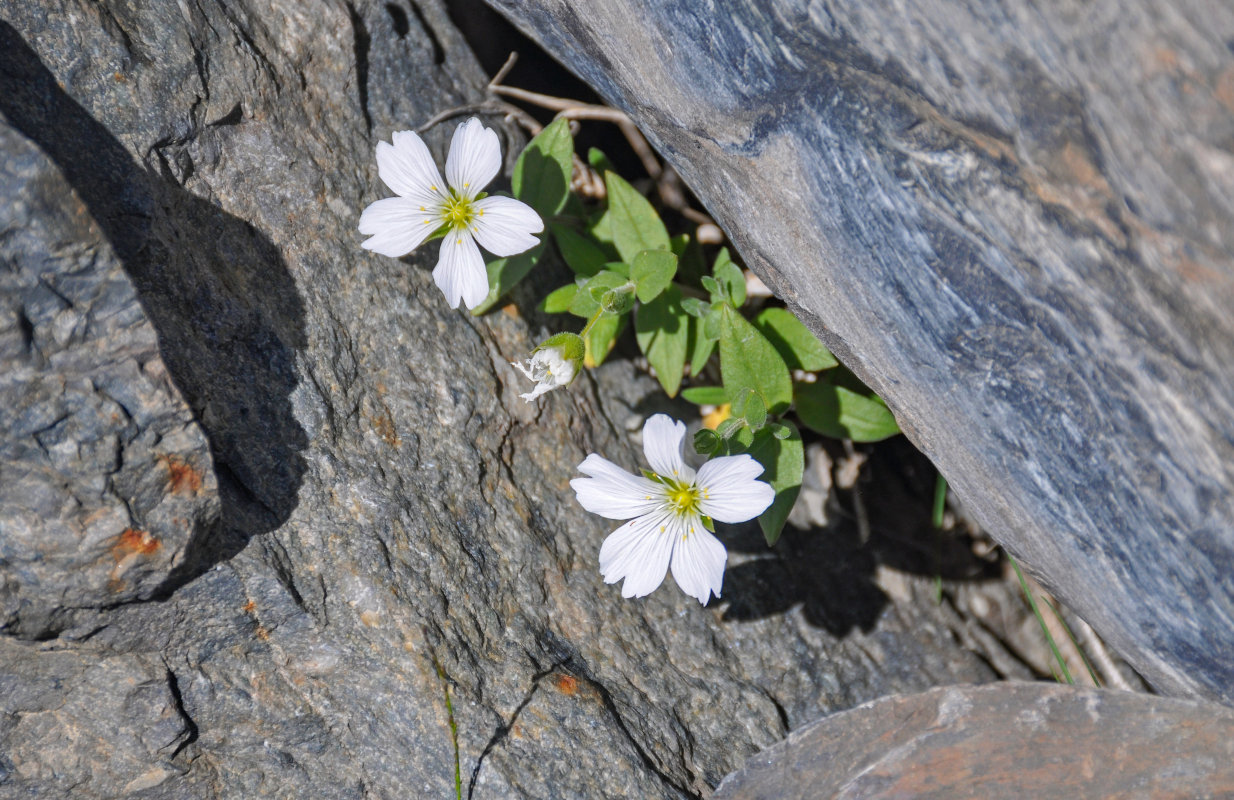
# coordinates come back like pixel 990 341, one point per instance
pixel 671 507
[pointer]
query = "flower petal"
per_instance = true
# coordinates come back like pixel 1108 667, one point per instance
pixel 698 560
pixel 730 491
pixel 460 272
pixel 475 158
pixel 662 440
pixel 397 226
pixel 408 168
pixel 614 493
pixel 504 226
pixel 639 552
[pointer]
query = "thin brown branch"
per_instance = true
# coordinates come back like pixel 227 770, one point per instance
pixel 510 111
pixel 511 60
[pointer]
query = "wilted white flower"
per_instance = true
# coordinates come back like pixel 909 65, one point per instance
pixel 554 363
pixel 457 209
pixel 670 512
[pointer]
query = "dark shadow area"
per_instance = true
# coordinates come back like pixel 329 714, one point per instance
pixel 228 317
pixel 492 39
pixel 830 571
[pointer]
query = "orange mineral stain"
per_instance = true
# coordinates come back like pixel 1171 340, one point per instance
pixel 181 476
pixel 134 542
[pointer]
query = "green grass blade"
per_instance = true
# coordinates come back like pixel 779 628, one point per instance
pixel 940 500
pixel 1083 656
pixel 1032 603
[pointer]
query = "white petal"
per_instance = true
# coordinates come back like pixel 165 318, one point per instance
pixel 407 167
pixel 639 552
pixel 730 491
pixel 397 226
pixel 460 272
pixel 475 158
pixel 662 440
pixel 698 561
pixel 504 226
pixel 614 493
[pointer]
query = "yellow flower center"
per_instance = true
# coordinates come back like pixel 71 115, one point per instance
pixel 683 498
pixel 458 212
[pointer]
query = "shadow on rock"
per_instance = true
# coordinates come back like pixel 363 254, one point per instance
pixel 228 317
pixel 828 572
pixel 831 571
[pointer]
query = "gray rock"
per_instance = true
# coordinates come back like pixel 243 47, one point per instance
pixel 1010 740
pixel 1016 223
pixel 400 584
pixel 105 480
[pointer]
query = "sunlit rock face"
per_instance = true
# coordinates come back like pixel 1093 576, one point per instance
pixel 347 541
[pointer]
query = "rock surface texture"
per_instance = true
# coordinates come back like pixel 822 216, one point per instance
pixel 105 479
pixel 1016 222
pixel 347 561
pixel 1011 740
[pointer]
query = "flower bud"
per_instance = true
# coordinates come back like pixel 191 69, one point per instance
pixel 555 362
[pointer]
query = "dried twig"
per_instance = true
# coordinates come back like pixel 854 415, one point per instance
pixel 586 180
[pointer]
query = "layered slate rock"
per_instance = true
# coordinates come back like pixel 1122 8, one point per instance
pixel 1016 223
pixel 105 479
pixel 400 585
pixel 1012 740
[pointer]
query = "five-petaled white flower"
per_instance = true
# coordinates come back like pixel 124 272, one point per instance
pixel 670 512
pixel 397 225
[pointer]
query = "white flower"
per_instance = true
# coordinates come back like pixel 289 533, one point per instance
pixel 670 512
pixel 554 363
pixel 397 225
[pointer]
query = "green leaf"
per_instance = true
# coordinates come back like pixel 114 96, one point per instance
pixel 738 401
pixel 598 161
pixel 601 229
pixel 783 463
pixel 581 253
pixel 713 323
pixel 749 361
pixel 660 328
pixel 701 347
pixel 652 271
pixel 842 413
pixel 690 266
pixel 705 395
pixel 541 176
pixel 695 307
pixel 730 277
pixel 706 442
pixel 601 338
pixel 633 222
pixel 559 300
pixel 779 431
pixel 503 273
pixel 728 427
pixel 800 348
pixel 714 288
pixel 739 442
pixel 754 412
pixel 586 303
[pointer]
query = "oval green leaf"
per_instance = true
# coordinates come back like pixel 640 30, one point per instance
pixel 661 328
pixel 541 176
pixel 749 361
pixel 800 348
pixel 841 413
pixel 633 223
